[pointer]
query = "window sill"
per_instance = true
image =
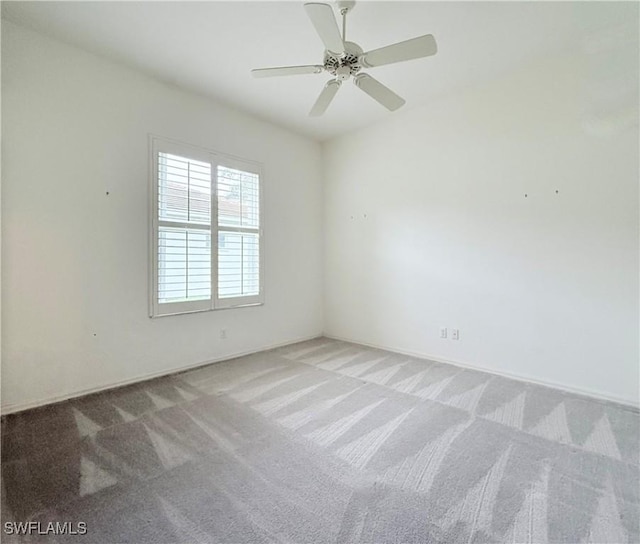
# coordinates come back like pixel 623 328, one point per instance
pixel 203 310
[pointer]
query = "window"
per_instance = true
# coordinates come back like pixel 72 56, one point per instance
pixel 206 234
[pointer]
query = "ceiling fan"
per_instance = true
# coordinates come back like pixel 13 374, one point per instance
pixel 343 59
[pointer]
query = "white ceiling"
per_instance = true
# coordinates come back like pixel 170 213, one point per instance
pixel 210 47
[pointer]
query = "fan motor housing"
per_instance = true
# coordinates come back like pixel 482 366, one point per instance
pixel 344 66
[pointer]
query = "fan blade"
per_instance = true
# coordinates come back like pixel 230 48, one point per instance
pixel 287 70
pixel 322 17
pixel 325 98
pixel 378 91
pixel 416 48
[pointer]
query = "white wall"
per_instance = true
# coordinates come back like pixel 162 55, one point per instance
pixel 74 260
pixel 543 287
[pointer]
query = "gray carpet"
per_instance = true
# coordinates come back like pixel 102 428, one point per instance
pixel 326 441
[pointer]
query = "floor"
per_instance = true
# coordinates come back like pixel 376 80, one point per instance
pixel 326 441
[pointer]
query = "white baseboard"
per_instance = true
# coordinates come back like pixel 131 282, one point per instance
pixel 519 377
pixel 19 407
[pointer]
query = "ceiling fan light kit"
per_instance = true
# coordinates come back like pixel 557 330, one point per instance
pixel 344 59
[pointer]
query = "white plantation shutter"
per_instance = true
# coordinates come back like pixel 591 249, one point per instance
pixel 238 264
pixel 184 264
pixel 206 230
pixel 238 233
pixel 184 189
pixel 184 229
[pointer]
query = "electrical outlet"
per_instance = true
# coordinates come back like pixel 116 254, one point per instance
pixel 443 332
pixel 223 334
pixel 455 334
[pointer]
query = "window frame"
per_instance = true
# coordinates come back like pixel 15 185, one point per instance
pixel 158 144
